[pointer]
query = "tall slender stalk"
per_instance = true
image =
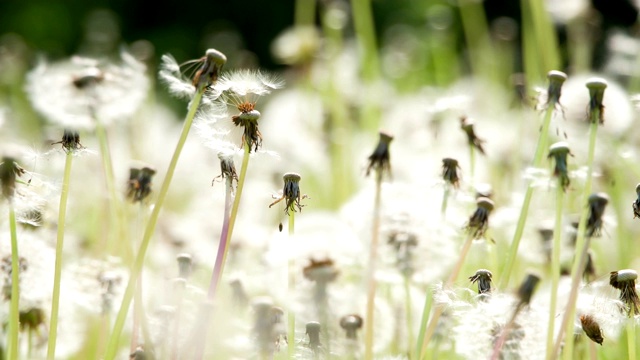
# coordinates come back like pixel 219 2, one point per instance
pixel 291 316
pixel 631 338
pixel 55 301
pixel 408 311
pixel 371 281
pixel 114 339
pixel 524 210
pixel 14 313
pixel 555 268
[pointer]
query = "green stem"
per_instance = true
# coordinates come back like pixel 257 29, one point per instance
pixel 365 33
pixel 409 315
pixel 112 347
pixel 472 164
pixel 582 247
pixel 474 25
pixel 445 201
pixel 426 311
pixel 305 12
pixel 371 280
pixel 522 219
pixel 631 338
pixel 555 268
pixel 291 317
pixel 14 320
pixel 55 301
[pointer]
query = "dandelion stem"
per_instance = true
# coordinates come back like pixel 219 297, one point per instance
pixel 431 328
pixel 472 163
pixel 112 347
pixel 55 301
pixel 631 338
pixel 582 247
pixel 409 314
pixel 291 316
pixel 371 280
pixel 426 311
pixel 14 330
pixel 445 201
pixel 555 267
pixel 305 12
pixel 522 219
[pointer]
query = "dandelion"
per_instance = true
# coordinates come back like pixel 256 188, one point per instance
pixel 554 90
pixel 483 278
pixel 291 193
pixel 351 324
pixel 559 152
pixel 10 171
pixel 625 281
pixel 450 169
pixel 380 160
pixel 227 168
pixel 596 88
pixel 70 141
pixel 479 220
pixel 597 204
pixel 591 328
pixel 313 332
pixel 139 184
pixel 467 125
pixel 636 203
pixel 590 267
pixel 321 272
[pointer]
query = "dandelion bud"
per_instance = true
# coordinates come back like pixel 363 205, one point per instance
pixel 450 172
pixel 351 324
pixel 636 204
pixel 597 204
pixel 525 292
pixel 559 152
pixel 380 160
pixel 9 172
pixel 313 331
pixel 185 264
pixel 291 193
pixel 591 328
pixel 139 184
pixel 467 125
pixel 483 278
pixel 210 70
pixel 596 88
pixel 479 221
pixel 70 141
pixel 556 79
pixel 625 281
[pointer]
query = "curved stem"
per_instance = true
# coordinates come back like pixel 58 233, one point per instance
pixel 522 219
pixel 555 268
pixel 14 330
pixel 112 347
pixel 371 280
pixel 55 301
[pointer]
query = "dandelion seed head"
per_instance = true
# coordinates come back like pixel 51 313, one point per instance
pixel 176 83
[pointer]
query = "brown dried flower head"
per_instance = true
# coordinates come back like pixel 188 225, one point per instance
pixel 479 221
pixel 227 168
pixel 351 324
pixel 209 71
pixel 591 328
pixel 139 184
pixel 10 171
pixel 625 281
pixel 527 288
pixel 554 91
pixel 450 169
pixel 467 125
pixel 380 159
pixel 483 278
pixel 559 152
pixel 597 203
pixel 596 88
pixel 291 193
pixel 70 141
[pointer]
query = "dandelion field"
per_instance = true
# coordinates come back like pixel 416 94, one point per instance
pixel 384 196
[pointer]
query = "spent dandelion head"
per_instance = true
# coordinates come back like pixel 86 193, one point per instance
pixel 546 236
pixel 526 289
pixel 591 328
pixel 479 220
pixel 185 265
pixel 596 88
pixel 227 168
pixel 636 203
pixel 467 125
pixel 242 90
pixel 450 174
pixel 139 184
pixel 404 243
pixel 10 171
pixel 351 324
pixel 313 332
pixel 597 204
pixel 291 193
pixel 483 278
pixel 554 91
pixel 70 141
pixel 559 152
pixel 380 159
pixel 625 281
pixel 208 73
pixel 590 267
